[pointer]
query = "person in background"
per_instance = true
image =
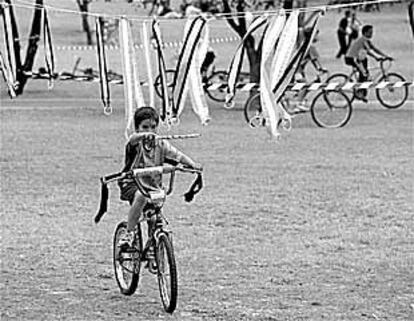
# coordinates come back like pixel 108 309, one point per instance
pixel 357 57
pixel 343 33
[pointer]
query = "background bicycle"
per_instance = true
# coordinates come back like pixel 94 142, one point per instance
pixel 329 109
pixel 127 261
pixel 390 96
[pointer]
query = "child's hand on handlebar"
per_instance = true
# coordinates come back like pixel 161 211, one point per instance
pixel 198 166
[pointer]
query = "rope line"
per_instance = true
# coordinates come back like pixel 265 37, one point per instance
pixel 169 44
pixel 216 16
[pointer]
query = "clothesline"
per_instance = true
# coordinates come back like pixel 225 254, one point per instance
pixel 25 4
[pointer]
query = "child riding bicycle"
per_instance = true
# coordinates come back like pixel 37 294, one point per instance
pixel 357 57
pixel 143 150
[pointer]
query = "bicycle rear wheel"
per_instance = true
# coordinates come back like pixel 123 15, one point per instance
pixel 391 97
pixel 157 83
pixel 167 272
pixel 342 79
pixel 331 109
pixel 218 77
pixel 253 111
pixel 127 262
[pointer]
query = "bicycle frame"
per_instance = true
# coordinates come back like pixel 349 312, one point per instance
pixel 382 69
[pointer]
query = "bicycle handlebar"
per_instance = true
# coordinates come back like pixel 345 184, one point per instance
pixel 140 172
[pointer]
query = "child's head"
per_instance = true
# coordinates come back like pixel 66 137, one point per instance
pixel 146 119
pixel 367 31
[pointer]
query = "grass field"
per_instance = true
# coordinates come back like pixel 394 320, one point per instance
pixel 316 227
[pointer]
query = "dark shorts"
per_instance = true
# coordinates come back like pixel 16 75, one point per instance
pixel 128 188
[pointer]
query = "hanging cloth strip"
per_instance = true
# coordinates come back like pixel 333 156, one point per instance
pixel 7 75
pixel 48 49
pixel 146 42
pixel 281 86
pixel 102 67
pixel 271 110
pixel 236 62
pixel 132 87
pixel 32 46
pixel 166 108
pixel 285 47
pixel 11 42
pixel 184 62
pixel 195 84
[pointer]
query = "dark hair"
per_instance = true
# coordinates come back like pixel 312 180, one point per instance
pixel 144 113
pixel 347 12
pixel 366 28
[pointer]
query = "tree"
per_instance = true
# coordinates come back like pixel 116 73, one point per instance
pixel 84 8
pixel 238 23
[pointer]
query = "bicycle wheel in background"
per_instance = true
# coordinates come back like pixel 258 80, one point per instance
pixel 167 272
pixel 218 77
pixel 342 79
pixel 391 97
pixel 253 111
pixel 127 263
pixel 331 109
pixel 157 83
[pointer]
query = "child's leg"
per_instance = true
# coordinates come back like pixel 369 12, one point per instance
pixel 136 210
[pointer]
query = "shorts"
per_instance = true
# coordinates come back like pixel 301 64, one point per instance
pixel 128 188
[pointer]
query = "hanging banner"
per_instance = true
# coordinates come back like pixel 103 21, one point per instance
pixel 195 84
pixel 271 110
pixel 11 43
pixel 236 62
pixel 289 72
pixel 166 107
pixel 132 87
pixel 48 49
pixel 7 75
pixel 285 47
pixel 146 44
pixel 191 40
pixel 102 66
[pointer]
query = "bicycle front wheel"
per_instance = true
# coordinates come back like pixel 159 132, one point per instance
pixel 342 79
pixel 218 77
pixel 253 111
pixel 331 109
pixel 167 272
pixel 127 262
pixel 391 97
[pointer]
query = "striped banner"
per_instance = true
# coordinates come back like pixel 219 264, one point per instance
pixel 48 48
pixel 102 67
pixel 315 86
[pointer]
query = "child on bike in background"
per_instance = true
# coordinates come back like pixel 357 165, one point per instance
pixel 312 56
pixel 357 57
pixel 143 150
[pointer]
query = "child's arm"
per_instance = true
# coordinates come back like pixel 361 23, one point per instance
pixel 372 48
pixel 185 160
pixel 170 152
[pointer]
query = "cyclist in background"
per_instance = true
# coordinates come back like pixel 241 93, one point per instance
pixel 357 57
pixel 312 56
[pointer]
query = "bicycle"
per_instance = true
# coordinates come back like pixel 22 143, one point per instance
pixel 389 97
pixel 127 262
pixel 329 108
pixel 214 83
